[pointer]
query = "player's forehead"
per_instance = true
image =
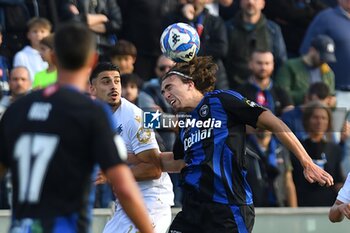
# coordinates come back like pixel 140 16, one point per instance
pixel 172 80
pixel 108 74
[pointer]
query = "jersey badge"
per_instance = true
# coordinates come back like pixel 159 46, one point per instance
pixel 204 110
pixel 143 135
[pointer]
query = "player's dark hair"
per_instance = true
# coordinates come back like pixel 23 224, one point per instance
pixel 200 70
pixel 73 44
pixel 131 79
pixel 103 66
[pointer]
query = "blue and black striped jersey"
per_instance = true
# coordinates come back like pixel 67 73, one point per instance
pixel 213 146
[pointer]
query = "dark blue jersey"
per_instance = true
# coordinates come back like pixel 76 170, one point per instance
pixel 213 142
pixel 51 139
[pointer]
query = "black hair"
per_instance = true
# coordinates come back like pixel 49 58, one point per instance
pixel 133 79
pixel 73 44
pixel 320 89
pixel 103 66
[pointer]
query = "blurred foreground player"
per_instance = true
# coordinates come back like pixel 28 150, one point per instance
pixel 51 140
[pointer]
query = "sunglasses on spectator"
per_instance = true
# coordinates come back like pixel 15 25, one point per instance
pixel 164 67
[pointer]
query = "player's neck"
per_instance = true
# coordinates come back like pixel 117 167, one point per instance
pixel 76 79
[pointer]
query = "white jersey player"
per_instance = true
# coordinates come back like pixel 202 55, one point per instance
pixel 154 184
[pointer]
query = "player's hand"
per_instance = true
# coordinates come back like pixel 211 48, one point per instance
pixel 188 11
pixel 314 173
pixel 101 178
pixel 345 209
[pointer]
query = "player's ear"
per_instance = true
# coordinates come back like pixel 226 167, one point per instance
pixel 190 85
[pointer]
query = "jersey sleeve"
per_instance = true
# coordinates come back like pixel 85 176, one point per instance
pixel 344 192
pixel 108 148
pixel 140 138
pixel 241 109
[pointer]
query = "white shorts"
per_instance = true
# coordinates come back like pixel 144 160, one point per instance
pixel 159 212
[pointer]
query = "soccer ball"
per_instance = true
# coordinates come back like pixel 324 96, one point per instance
pixel 180 42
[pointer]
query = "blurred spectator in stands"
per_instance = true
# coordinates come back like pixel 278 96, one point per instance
pixel 318 91
pixel 131 90
pixel 4 70
pixel 48 76
pixel 293 16
pixel 142 25
pixel 123 54
pixel 297 74
pixel 269 171
pixel 103 17
pixel 20 84
pixel 226 9
pixel 317 121
pixel 335 22
pixel 249 30
pixel 260 87
pixel 211 31
pixel 14 16
pixel 29 56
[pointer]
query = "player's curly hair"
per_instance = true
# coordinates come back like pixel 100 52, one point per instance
pixel 200 70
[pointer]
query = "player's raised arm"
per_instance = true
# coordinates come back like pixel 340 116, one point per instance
pixel 312 172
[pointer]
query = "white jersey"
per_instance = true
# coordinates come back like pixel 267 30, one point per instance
pixel 129 124
pixel 344 192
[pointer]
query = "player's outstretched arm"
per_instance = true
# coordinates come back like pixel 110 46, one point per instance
pixel 169 164
pixel 129 196
pixel 312 172
pixel 338 211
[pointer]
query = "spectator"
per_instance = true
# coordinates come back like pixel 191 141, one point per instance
pixel 269 171
pixel 142 25
pixel 317 121
pixel 211 31
pixel 103 17
pixel 335 22
pixel 46 77
pixel 293 119
pixel 131 90
pixel 260 87
pixel 124 54
pixel 4 69
pixel 249 30
pixel 324 23
pixel 293 16
pixel 20 84
pixel 29 56
pixel 15 15
pixel 297 74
